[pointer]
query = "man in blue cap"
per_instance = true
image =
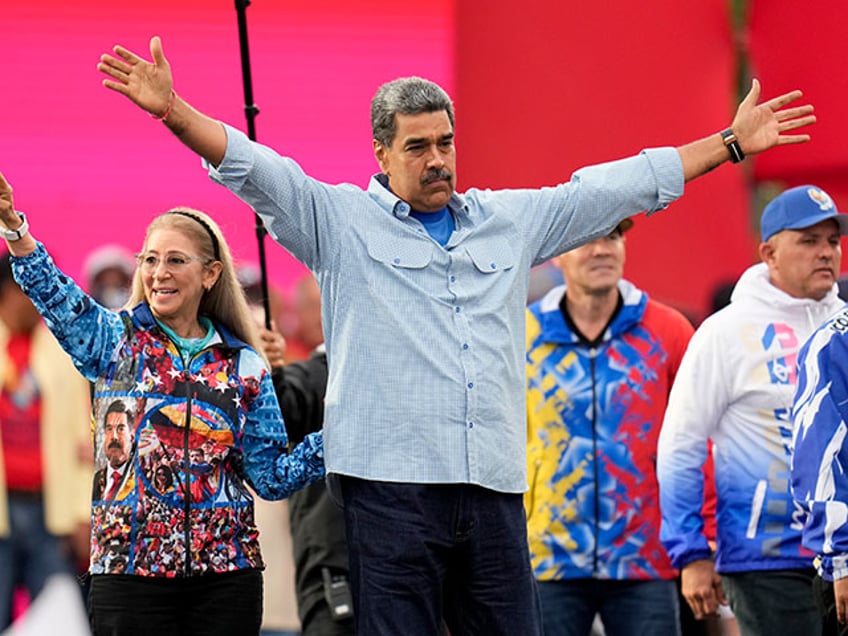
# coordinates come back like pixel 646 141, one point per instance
pixel 735 387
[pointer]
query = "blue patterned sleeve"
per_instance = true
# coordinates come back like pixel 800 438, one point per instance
pixel 820 452
pixel 272 471
pixel 87 331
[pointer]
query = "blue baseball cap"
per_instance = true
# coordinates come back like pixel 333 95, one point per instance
pixel 798 208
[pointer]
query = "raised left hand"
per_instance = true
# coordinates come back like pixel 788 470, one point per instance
pixel 7 205
pixel 11 221
pixel 759 127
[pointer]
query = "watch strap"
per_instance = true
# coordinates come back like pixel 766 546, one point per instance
pixel 19 232
pixel 732 145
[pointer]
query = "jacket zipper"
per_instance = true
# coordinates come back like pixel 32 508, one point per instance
pixel 187 470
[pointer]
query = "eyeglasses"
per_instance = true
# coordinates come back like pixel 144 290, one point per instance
pixel 149 262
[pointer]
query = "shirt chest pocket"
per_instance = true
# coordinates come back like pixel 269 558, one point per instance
pixel 491 257
pixel 397 263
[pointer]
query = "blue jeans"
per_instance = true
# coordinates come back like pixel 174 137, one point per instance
pixel 626 608
pixel 773 602
pixel 426 556
pixel 29 555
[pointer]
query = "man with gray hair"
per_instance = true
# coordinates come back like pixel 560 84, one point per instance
pixel 423 293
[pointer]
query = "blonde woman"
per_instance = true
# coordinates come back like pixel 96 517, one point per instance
pixel 182 358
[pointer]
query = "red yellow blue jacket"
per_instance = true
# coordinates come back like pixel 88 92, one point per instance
pixel 199 430
pixel 594 414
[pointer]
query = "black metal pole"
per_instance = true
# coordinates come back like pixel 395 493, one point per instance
pixel 250 112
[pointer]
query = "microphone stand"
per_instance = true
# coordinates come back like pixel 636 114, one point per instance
pixel 250 112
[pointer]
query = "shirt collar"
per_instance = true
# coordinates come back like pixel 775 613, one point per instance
pixel 378 189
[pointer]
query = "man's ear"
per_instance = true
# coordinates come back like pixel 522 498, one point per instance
pixel 380 152
pixel 766 251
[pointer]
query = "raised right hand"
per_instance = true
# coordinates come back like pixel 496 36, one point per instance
pixel 147 84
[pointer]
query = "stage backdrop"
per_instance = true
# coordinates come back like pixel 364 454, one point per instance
pixel 801 43
pixel 540 91
pixel 555 86
pixel 89 167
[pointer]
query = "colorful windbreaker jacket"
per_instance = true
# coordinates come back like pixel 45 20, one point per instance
pixel 820 453
pixel 198 431
pixel 593 416
pixel 735 387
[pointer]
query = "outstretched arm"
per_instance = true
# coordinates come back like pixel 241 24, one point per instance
pixel 757 127
pixel 150 85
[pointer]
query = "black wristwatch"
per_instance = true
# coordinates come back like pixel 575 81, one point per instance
pixel 732 144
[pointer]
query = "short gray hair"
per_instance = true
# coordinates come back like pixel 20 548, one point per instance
pixel 406 96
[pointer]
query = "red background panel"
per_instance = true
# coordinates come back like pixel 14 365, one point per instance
pixel 802 44
pixel 546 89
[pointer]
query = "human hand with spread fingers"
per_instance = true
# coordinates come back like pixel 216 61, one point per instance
pixel 150 85
pixel 756 127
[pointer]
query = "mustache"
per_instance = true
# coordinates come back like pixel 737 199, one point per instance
pixel 436 174
pixel 115 444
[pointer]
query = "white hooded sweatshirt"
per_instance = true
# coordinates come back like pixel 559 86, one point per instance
pixel 735 387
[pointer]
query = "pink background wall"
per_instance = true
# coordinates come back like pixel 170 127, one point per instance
pixel 89 167
pixel 540 90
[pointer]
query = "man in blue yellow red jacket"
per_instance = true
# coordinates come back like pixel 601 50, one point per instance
pixel 601 358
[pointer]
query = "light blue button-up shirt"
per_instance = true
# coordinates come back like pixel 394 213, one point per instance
pixel 426 343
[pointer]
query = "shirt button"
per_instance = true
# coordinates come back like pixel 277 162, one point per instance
pixel 453 279
pixel 457 310
pixel 397 261
pixel 493 266
pixel 470 424
pixel 465 346
pixel 470 385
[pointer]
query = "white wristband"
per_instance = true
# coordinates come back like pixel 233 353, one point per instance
pixel 19 232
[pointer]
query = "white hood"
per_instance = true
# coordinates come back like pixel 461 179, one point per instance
pixel 754 289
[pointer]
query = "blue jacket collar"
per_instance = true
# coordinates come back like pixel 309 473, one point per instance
pixel 554 327
pixel 142 316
